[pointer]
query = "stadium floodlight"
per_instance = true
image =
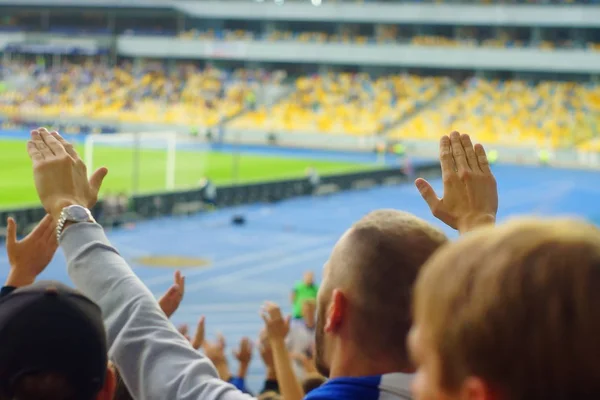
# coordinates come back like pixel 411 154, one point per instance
pixel 136 142
pixel 316 3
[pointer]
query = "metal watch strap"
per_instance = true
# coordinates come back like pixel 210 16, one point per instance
pixel 63 219
pixel 60 225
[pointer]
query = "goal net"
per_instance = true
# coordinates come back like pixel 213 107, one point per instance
pixel 146 161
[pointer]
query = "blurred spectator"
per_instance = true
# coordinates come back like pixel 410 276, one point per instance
pixel 123 205
pixel 304 290
pixel 208 191
pixel 511 313
pixel 301 338
pixel 110 208
pixel 313 177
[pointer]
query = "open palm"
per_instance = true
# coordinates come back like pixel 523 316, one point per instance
pixel 30 256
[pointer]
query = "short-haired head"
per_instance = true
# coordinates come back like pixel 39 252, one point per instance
pixel 367 285
pixel 512 313
pixel 309 278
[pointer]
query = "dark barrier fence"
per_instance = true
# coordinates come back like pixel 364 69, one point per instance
pixel 193 201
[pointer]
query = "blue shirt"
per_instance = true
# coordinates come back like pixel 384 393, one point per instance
pixel 378 387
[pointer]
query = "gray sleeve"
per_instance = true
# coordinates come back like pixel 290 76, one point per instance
pixel 155 361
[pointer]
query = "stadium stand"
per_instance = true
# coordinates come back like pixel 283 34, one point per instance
pixel 554 114
pixel 128 93
pixel 338 103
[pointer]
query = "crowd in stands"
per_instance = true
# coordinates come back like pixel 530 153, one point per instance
pixel 394 34
pixel 548 114
pixel 505 312
pixel 344 103
pixel 149 93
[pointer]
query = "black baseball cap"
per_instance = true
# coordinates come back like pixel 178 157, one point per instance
pixel 49 327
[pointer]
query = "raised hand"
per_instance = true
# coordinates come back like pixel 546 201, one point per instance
pixel 265 349
pixel 215 350
pixel 277 327
pixel 60 175
pixel 470 191
pixel 171 300
pixel 184 329
pixel 244 356
pixel 308 363
pixel 200 334
pixel 244 353
pixel 30 256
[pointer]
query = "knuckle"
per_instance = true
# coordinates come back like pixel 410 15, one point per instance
pixel 465 176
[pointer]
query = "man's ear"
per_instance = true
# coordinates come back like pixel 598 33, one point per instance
pixel 336 311
pixel 110 384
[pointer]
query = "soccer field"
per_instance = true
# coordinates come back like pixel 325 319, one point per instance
pixel 17 189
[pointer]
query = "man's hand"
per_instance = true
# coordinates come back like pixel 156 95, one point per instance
pixel 59 174
pixel 184 330
pixel 277 328
pixel 470 192
pixel 30 256
pixel 244 353
pixel 200 333
pixel 244 356
pixel 265 349
pixel 170 301
pixel 216 353
pixel 307 363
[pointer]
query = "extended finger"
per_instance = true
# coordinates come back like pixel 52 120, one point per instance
pixel 11 232
pixel 427 192
pixel 66 145
pixel 482 159
pixel 51 142
pixel 467 145
pixel 97 178
pixel 458 153
pixel 34 154
pixel 446 160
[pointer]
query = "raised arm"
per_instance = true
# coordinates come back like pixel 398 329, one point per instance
pixel 470 194
pixel 277 329
pixel 154 360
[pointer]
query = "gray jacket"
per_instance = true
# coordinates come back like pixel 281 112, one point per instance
pixel 154 360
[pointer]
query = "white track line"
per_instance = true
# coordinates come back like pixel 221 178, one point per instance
pixel 252 270
pixel 255 257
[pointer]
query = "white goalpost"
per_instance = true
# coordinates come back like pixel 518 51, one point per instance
pixel 137 141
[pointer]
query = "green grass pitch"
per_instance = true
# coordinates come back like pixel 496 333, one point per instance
pixel 17 189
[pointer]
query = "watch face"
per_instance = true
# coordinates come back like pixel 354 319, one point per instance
pixel 78 213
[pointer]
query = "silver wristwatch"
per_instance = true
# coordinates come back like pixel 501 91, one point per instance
pixel 74 214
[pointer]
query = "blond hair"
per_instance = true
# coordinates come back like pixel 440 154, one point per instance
pixel 517 306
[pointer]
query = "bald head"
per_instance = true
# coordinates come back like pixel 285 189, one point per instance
pixel 375 264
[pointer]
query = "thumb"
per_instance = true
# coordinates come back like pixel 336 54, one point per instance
pixel 97 178
pixel 427 193
pixel 11 232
